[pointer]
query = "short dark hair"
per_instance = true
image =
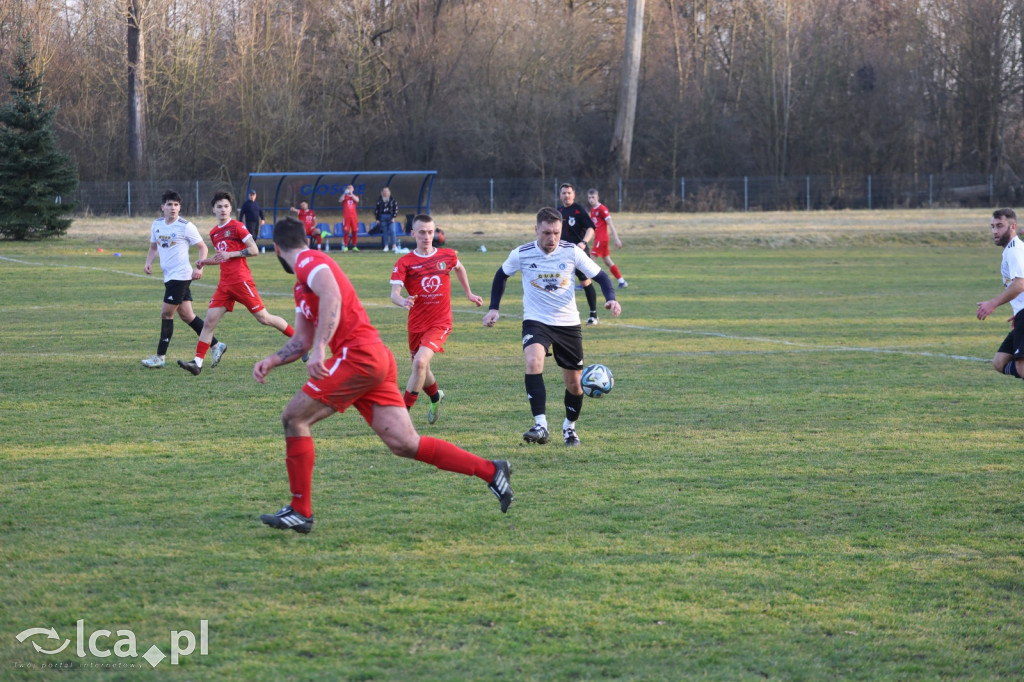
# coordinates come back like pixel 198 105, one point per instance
pixel 549 215
pixel 566 184
pixel 289 233
pixel 1004 213
pixel 422 218
pixel 222 195
pixel 593 191
pixel 170 195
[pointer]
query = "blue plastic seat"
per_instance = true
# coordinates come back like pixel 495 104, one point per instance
pixel 266 231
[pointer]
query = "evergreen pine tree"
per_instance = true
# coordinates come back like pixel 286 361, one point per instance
pixel 37 179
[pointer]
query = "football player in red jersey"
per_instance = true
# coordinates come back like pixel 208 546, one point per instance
pixel 603 226
pixel 308 218
pixel 359 371
pixel 426 275
pixel 350 228
pixel 232 244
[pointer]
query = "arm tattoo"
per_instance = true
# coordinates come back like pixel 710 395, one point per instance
pixel 291 351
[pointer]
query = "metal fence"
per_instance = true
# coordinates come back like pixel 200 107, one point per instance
pixel 515 195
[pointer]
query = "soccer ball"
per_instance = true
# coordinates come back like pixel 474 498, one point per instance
pixel 597 380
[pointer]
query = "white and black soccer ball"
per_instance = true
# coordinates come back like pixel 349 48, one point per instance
pixel 597 380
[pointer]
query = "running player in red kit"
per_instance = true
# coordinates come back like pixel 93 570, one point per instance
pixel 360 371
pixel 350 228
pixel 426 274
pixel 233 245
pixel 602 219
pixel 308 218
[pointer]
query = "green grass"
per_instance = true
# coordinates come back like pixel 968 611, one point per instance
pixel 807 470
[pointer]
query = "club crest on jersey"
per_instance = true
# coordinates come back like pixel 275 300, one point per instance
pixel 442 265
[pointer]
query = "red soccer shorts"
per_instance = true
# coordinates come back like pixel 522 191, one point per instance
pixel 432 338
pixel 243 292
pixel 351 225
pixel 600 249
pixel 363 376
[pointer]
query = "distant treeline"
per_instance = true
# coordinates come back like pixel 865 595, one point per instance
pixel 529 88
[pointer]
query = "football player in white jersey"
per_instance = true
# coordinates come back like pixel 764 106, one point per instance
pixel 1009 359
pixel 170 237
pixel 551 321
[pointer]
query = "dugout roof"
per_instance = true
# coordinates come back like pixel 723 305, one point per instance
pixel 278 192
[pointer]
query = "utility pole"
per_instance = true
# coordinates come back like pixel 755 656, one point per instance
pixel 625 120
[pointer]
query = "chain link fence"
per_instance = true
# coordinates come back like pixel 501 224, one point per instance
pixel 517 195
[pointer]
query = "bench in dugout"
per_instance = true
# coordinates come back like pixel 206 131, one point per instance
pixel 339 232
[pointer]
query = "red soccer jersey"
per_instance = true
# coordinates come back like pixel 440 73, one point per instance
pixel 231 237
pixel 308 218
pixel 354 328
pixel 428 278
pixel 349 202
pixel 599 216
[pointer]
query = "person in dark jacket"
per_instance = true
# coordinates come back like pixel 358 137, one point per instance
pixel 386 212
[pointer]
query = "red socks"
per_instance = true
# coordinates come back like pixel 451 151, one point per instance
pixel 410 398
pixel 289 331
pixel 448 457
pixel 299 457
pixel 615 271
pixel 431 390
pixel 201 349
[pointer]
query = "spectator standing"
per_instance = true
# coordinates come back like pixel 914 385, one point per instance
pixel 251 215
pixel 385 213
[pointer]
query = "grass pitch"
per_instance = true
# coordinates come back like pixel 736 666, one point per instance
pixel 807 470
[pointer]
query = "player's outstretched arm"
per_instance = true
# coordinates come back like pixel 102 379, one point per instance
pixel 608 290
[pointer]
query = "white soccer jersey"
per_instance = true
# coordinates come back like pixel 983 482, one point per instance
pixel 549 281
pixel 172 244
pixel 1012 267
